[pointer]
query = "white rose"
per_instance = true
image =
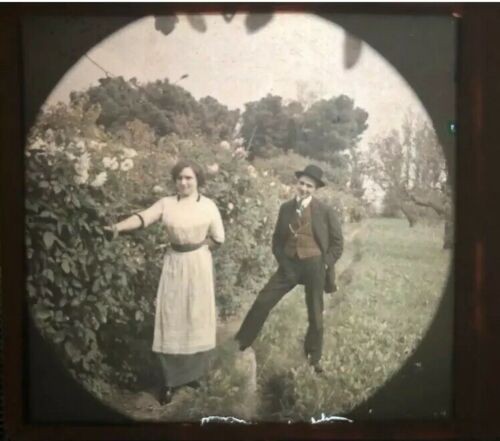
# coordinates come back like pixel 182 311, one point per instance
pixel 96 144
pixel 126 165
pixel 230 206
pixel 110 163
pixel 114 164
pixel 225 145
pixel 99 180
pixel 106 161
pixel 129 153
pixel 83 164
pixel 213 169
pixel 37 144
pixel 240 153
pixel 158 189
pixel 81 178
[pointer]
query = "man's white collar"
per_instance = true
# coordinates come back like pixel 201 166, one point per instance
pixel 304 202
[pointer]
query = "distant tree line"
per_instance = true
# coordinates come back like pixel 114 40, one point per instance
pixel 322 131
pixel 325 130
pixel 165 107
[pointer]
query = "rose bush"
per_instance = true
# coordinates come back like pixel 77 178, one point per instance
pixel 94 298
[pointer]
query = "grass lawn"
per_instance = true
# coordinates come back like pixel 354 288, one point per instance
pixel 371 324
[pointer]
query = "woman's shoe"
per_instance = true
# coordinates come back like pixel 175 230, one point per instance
pixel 166 395
pixel 193 384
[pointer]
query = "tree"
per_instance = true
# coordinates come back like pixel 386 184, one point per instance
pixel 410 167
pixel 265 125
pixel 325 129
pixel 216 120
pixel 330 127
pixel 165 107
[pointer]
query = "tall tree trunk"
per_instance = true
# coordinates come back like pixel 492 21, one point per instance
pixel 444 211
pixel 410 216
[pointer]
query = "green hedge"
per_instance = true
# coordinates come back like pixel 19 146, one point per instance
pixel 94 298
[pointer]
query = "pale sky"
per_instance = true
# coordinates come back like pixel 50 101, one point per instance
pixel 293 51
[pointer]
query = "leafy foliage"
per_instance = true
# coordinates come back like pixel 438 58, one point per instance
pixel 410 167
pixel 95 298
pixel 322 131
pixel 165 107
pixel 336 193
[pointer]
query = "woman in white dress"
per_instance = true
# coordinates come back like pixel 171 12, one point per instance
pixel 185 318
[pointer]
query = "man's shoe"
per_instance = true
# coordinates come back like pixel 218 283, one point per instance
pixel 318 368
pixel 240 345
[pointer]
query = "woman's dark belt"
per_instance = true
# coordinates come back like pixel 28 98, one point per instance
pixel 186 247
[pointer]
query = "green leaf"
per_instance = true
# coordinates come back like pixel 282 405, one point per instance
pixel 49 274
pixel 48 239
pixel 59 337
pixel 42 313
pixel 72 351
pixel 31 290
pixel 89 336
pixel 65 266
pixel 103 312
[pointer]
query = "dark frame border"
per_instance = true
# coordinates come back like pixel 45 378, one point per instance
pixel 477 305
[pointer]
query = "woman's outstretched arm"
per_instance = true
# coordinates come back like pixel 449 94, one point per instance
pixel 131 223
pixel 138 220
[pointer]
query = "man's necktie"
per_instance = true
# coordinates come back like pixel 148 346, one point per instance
pixel 300 207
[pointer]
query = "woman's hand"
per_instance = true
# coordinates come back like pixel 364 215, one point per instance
pixel 111 232
pixel 212 245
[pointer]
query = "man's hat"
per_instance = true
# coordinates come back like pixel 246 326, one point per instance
pixel 313 172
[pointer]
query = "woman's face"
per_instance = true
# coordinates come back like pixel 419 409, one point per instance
pixel 186 182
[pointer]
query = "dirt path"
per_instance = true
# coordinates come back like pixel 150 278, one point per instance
pixel 144 405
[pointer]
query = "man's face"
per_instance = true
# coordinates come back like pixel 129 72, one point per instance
pixel 305 187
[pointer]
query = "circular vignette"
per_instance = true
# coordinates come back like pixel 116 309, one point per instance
pixel 438 125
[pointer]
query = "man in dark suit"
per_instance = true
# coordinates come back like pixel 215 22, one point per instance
pixel 307 241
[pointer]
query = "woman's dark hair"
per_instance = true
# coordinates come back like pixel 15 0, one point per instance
pixel 185 163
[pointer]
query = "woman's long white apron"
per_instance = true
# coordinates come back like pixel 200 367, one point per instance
pixel 185 319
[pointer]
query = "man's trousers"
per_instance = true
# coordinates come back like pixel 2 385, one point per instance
pixel 309 272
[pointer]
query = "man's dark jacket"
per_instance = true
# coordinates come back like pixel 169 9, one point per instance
pixel 326 230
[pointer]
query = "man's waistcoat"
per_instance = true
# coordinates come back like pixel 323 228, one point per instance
pixel 301 242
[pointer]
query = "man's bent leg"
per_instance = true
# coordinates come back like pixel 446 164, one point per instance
pixel 277 286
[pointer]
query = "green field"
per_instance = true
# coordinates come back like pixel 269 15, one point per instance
pixel 391 281
pixel 393 278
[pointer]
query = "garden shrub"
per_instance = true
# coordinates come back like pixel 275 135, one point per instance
pixel 94 298
pixel 336 193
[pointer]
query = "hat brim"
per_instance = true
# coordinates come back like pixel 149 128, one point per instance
pixel 320 183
